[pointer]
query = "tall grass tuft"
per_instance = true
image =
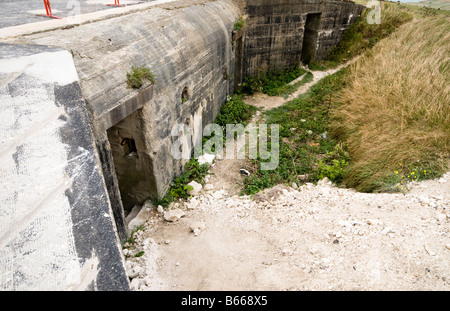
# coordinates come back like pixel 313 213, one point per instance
pixel 394 113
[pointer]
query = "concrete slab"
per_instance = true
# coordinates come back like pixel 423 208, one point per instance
pixel 53 197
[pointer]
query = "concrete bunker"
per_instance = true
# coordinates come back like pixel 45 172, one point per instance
pixel 310 37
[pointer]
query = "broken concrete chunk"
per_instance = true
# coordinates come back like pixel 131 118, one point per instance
pixel 206 158
pixel 192 204
pixel 140 218
pixel 173 215
pixel 195 188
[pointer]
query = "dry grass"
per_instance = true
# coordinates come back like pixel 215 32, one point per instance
pixel 396 105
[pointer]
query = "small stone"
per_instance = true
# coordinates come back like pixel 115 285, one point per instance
pixel 428 250
pixel 338 234
pixel 160 209
pixel 442 180
pixel 447 246
pixel 313 251
pixel 294 185
pixel 387 230
pixel 244 172
pixel 197 228
pixel 148 281
pixel 285 252
pixel 167 242
pixel 173 215
pixel 135 284
pixel 303 177
pixel 177 263
pixel 133 273
pixel 336 241
pixel 192 204
pixel 324 182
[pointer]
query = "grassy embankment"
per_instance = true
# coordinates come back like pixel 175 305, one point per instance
pixel 372 125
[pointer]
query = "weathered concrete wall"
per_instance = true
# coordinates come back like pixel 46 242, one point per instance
pixel 72 169
pixel 57 230
pixel 275 30
pixel 185 46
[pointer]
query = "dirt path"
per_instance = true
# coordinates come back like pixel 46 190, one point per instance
pixel 309 238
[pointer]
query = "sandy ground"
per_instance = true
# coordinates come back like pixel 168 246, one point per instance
pixel 302 238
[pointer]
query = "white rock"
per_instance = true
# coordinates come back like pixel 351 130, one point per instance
pixel 338 234
pixel 160 209
pixel 196 188
pixel 173 215
pixel 324 182
pixel 218 194
pixel 192 204
pixel 209 187
pixel 148 281
pixel 447 246
pixel 133 273
pixel 244 172
pixel 442 180
pixel 135 284
pixel 206 158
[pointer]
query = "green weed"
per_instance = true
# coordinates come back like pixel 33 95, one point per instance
pixel 138 76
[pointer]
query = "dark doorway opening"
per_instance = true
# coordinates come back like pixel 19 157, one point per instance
pixel 310 37
pixel 133 166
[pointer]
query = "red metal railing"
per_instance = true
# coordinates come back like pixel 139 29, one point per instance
pixel 48 9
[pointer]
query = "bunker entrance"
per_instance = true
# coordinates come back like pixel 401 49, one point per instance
pixel 133 167
pixel 310 37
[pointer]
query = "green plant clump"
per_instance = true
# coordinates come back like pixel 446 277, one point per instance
pixel 234 111
pixel 274 82
pixel 306 148
pixel 138 76
pixel 179 186
pixel 240 24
